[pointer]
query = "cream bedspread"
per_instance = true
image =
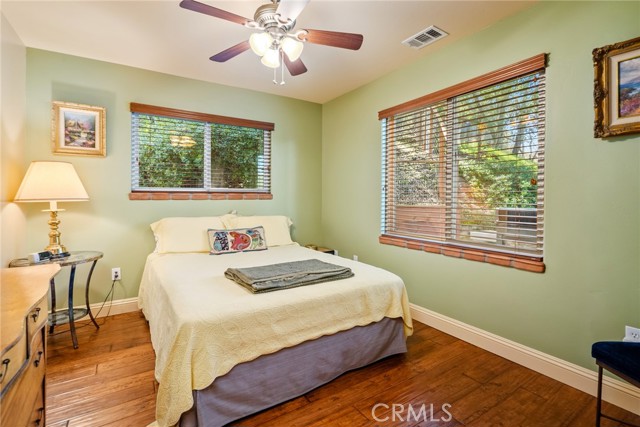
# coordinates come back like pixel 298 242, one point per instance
pixel 203 324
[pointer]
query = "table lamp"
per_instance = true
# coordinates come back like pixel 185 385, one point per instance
pixel 52 182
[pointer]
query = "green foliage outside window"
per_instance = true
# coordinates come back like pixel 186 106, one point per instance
pixel 495 148
pixel 235 156
pixel 416 175
pixel 166 165
pixel 498 178
pixel 172 154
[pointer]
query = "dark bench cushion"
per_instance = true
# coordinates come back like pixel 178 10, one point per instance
pixel 624 357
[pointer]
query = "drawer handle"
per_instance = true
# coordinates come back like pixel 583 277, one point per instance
pixel 36 314
pixel 5 367
pixel 40 416
pixel 37 361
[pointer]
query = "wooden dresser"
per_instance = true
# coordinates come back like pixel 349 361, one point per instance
pixel 23 318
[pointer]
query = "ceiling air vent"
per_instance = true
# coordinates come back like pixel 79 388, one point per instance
pixel 425 37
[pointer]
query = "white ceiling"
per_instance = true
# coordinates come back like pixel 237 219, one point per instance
pixel 161 36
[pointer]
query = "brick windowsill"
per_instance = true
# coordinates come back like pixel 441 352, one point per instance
pixel 533 264
pixel 164 195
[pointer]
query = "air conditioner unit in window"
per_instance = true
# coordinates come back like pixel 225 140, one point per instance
pixel 516 225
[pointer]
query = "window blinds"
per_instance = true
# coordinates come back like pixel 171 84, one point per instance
pixel 175 150
pixel 468 169
pixel 168 153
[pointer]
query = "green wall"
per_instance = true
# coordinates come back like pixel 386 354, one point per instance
pixel 591 288
pixel 113 224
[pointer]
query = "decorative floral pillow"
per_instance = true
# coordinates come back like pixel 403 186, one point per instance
pixel 236 240
pixel 276 227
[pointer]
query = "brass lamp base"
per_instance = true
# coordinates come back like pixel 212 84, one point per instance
pixel 57 249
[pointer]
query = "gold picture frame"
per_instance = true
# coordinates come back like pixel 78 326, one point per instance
pixel 78 129
pixel 616 93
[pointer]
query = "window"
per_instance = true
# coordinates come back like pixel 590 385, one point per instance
pixel 196 154
pixel 463 169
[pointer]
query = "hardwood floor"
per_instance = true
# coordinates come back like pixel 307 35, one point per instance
pixel 109 382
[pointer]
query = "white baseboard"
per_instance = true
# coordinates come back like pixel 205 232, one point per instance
pixel 614 391
pixel 115 307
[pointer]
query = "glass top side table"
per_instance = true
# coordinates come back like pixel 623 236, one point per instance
pixel 68 315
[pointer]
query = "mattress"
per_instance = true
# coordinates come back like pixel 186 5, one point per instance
pixel 203 324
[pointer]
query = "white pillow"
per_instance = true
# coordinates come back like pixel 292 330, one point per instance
pixel 276 227
pixel 186 234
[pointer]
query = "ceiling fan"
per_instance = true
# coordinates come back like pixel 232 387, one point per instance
pixel 276 40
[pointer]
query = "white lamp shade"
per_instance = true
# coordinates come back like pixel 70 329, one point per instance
pixel 260 43
pixel 292 48
pixel 51 181
pixel 271 58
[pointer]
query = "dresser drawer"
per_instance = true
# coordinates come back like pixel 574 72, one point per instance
pixel 36 361
pixel 12 361
pixel 37 316
pixel 22 402
pixel 37 412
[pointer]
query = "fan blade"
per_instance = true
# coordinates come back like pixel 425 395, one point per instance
pixel 232 52
pixel 291 8
pixel 213 11
pixel 295 67
pixel 333 38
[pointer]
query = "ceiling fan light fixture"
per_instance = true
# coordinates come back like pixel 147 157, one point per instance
pixel 275 36
pixel 292 48
pixel 260 43
pixel 271 58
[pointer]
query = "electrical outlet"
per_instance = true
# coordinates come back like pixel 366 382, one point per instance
pixel 631 334
pixel 115 273
pixel 355 257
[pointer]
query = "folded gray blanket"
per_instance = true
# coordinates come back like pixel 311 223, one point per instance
pixel 287 275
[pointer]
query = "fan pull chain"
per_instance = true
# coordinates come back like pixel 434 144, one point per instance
pixel 275 70
pixel 281 67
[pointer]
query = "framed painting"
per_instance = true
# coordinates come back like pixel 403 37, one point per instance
pixel 78 129
pixel 616 92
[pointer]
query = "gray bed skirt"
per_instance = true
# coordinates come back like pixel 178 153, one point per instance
pixel 275 378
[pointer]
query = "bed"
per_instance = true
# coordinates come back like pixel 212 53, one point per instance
pixel 223 353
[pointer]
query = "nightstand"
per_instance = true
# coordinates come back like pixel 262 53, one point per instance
pixel 70 314
pixel 321 249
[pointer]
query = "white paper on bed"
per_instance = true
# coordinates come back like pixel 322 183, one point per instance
pixel 203 324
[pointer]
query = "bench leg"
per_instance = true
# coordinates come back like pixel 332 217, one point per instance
pixel 599 414
pixel 599 404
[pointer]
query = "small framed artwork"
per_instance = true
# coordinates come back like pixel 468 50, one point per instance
pixel 616 92
pixel 78 129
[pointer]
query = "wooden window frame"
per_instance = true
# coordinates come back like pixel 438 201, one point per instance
pixel 448 248
pixel 177 194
